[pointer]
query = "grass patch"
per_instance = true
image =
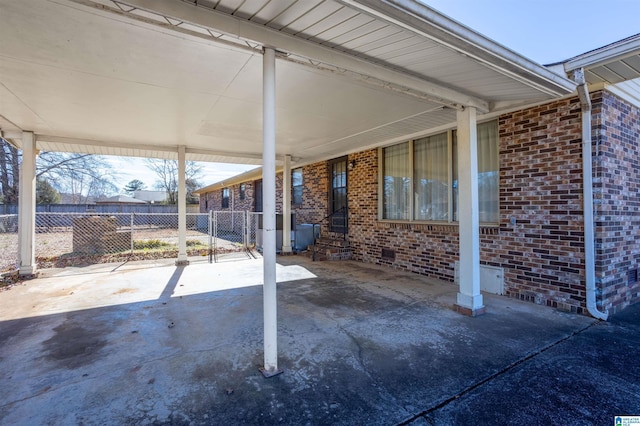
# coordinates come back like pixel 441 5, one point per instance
pixel 150 244
pixel 196 243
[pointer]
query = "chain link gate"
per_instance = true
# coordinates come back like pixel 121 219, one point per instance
pixel 229 234
pixel 253 225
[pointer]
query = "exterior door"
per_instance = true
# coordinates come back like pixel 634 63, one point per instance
pixel 338 221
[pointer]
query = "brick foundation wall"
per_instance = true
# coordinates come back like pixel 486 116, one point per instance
pixel 616 199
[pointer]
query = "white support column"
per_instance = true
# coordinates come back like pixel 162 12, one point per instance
pixel 27 206
pixel 286 205
pixel 270 367
pixel 469 300
pixel 182 208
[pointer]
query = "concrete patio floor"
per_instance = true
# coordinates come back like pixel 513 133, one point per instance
pixel 151 343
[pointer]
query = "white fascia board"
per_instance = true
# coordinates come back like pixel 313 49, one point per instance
pixel 86 145
pixel 268 37
pixel 89 143
pixel 239 155
pixel 427 22
pixel 14 137
pixel 616 51
pixel 248 176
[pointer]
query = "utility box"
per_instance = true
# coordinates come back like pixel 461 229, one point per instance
pixel 491 278
pixel 279 222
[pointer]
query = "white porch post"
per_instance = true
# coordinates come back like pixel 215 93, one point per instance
pixel 27 205
pixel 469 300
pixel 286 205
pixel 182 208
pixel 270 367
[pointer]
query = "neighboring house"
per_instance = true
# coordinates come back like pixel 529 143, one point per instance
pixel 150 196
pixel 76 199
pixel 402 199
pixel 119 199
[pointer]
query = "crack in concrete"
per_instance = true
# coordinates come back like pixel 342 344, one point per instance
pixel 424 414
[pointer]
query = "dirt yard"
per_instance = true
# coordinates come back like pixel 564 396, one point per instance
pixel 55 249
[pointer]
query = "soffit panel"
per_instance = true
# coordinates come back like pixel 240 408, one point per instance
pixel 611 64
pixel 350 30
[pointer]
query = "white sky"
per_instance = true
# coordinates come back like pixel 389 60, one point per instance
pixel 545 31
pixel 125 169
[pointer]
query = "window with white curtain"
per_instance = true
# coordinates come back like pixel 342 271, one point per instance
pixel 427 168
pixel 431 178
pixel 397 181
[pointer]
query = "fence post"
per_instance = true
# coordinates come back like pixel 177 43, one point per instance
pixel 210 232
pixel 247 229
pixel 132 220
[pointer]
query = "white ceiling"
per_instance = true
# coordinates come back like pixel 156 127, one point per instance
pixel 140 79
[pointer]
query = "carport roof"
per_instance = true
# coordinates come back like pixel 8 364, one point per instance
pixel 140 77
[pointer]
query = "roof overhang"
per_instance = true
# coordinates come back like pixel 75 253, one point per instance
pixel 141 77
pixel 248 176
pixel 615 63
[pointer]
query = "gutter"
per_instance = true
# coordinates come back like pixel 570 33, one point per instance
pixel 587 192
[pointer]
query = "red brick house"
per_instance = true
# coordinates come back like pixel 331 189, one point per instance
pixel 402 199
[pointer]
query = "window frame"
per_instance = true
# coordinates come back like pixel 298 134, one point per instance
pixel 450 155
pixel 294 201
pixel 225 198
pixel 242 191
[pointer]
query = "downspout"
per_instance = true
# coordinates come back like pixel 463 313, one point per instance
pixel 587 194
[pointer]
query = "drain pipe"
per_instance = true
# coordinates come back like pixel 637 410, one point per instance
pixel 587 194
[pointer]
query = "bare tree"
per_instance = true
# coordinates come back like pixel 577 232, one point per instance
pixel 167 173
pixel 81 175
pixel 10 160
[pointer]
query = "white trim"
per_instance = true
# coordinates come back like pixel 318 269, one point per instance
pixel 286 205
pixel 270 310
pixel 27 206
pixel 469 295
pixel 605 55
pixel 182 207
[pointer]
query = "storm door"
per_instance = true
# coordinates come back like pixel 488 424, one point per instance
pixel 338 219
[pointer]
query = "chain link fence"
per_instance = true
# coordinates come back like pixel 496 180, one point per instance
pixel 74 239
pixel 254 222
pixel 8 242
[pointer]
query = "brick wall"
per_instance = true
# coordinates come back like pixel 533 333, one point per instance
pixel 213 200
pixel 616 199
pixel 314 205
pixel 540 187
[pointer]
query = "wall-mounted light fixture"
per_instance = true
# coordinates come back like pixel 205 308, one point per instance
pixel 351 164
